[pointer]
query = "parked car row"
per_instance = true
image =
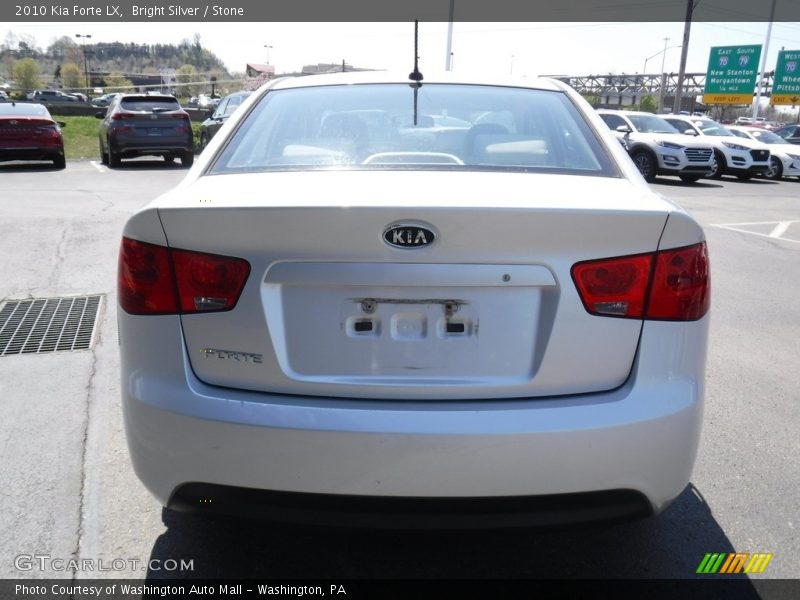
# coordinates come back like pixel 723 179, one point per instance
pixel 693 146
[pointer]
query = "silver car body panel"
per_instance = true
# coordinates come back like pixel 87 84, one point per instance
pixel 578 403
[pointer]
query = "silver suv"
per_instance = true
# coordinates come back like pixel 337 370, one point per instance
pixel 657 148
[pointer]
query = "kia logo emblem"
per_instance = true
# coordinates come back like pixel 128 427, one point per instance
pixel 408 235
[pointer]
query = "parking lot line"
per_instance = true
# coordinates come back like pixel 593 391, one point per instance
pixel 780 229
pixel 776 233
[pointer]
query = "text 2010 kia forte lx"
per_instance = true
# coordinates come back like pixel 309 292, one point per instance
pixel 445 303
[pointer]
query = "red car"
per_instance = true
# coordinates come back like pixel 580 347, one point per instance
pixel 28 132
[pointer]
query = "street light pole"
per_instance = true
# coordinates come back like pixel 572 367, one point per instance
pixel 85 62
pixel 268 49
pixel 663 54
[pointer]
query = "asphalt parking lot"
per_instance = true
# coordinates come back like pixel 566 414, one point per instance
pixel 69 491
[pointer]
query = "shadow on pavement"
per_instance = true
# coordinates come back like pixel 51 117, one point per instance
pixel 669 546
pixel 670 182
pixel 147 165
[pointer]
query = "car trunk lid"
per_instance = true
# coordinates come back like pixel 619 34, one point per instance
pixel 487 310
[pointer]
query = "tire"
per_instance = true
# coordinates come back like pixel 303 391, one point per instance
pixel 646 164
pixel 114 160
pixel 187 159
pixel 59 162
pixel 719 166
pixel 690 178
pixel 203 141
pixel 775 170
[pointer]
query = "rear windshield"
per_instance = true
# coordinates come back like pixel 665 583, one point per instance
pixel 395 126
pixel 22 109
pixel 146 104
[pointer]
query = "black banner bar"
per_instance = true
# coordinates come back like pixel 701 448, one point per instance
pixel 381 11
pixel 710 588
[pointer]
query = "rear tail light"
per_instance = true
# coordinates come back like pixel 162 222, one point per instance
pixel 186 124
pixel 155 280
pixel 670 285
pixel 680 288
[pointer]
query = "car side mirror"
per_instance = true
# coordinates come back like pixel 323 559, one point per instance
pixel 691 132
pixel 100 115
pixel 61 123
pixel 624 129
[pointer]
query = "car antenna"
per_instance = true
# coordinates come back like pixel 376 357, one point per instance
pixel 415 75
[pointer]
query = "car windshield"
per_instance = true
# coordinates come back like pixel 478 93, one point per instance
pixel 24 109
pixel 651 124
pixel 767 137
pixel 395 126
pixel 709 127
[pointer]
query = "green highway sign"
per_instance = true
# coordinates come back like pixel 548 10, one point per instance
pixel 732 74
pixel 786 85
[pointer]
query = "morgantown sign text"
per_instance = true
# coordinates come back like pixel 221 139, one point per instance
pixel 732 74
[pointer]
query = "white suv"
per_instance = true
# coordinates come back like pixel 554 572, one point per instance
pixel 657 148
pixel 734 155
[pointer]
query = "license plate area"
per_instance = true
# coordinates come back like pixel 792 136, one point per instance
pixel 343 323
pixel 154 131
pixel 409 319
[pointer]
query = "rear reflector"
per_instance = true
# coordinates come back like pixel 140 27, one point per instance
pixel 668 285
pixel 155 280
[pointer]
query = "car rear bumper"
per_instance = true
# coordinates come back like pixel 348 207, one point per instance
pixel 639 440
pixel 30 153
pixel 127 148
pixel 411 513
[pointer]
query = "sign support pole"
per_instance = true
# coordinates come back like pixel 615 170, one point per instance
pixel 763 63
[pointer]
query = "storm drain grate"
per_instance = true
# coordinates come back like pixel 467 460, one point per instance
pixel 43 325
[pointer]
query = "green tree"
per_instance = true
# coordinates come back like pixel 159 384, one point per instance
pixel 593 100
pixel 26 73
pixel 72 76
pixel 117 82
pixel 187 74
pixel 649 104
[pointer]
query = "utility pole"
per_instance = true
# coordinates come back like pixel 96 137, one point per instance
pixel 85 62
pixel 448 63
pixel 676 106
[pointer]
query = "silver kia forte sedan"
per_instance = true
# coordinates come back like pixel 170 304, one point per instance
pixel 448 302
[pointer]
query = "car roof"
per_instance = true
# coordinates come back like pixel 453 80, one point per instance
pixel 635 113
pixel 689 118
pixel 363 77
pixel 156 97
